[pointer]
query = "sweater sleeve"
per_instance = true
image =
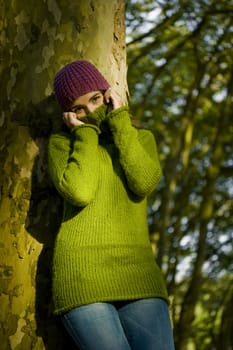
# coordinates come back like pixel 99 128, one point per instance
pixel 72 160
pixel 138 153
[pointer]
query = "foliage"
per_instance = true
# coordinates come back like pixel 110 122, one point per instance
pixel 180 64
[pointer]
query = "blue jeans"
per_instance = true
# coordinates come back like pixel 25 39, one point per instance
pixel 138 325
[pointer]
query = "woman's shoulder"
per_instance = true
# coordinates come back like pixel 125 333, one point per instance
pixel 60 140
pixel 60 135
pixel 145 134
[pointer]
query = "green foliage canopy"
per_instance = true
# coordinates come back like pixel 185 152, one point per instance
pixel 180 75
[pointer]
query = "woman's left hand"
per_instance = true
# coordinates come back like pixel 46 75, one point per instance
pixel 112 99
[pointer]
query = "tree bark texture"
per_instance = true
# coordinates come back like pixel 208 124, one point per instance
pixel 38 38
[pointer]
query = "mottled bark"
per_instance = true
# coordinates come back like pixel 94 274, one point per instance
pixel 37 38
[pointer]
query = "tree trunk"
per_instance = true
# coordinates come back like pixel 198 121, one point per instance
pixel 225 336
pixel 37 39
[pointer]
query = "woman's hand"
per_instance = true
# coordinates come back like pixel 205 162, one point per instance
pixel 112 99
pixel 70 119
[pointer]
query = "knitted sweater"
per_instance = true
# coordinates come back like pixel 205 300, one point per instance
pixel 102 250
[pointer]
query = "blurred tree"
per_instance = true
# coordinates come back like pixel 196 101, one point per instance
pixel 37 38
pixel 180 64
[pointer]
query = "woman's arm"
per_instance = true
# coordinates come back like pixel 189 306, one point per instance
pixel 73 162
pixel 138 153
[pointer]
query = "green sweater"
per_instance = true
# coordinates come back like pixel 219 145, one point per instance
pixel 102 250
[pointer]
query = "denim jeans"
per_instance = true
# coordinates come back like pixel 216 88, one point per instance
pixel 138 325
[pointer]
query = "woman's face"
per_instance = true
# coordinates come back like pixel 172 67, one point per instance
pixel 87 103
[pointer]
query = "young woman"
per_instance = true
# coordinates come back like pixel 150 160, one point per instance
pixel 106 285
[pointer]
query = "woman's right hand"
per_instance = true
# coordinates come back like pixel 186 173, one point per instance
pixel 71 120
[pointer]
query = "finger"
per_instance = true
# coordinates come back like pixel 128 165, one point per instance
pixel 71 120
pixel 107 95
pixel 116 99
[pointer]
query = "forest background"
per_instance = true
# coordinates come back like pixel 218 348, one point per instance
pixel 180 81
pixel 180 75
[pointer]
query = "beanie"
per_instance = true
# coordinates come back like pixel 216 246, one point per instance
pixel 76 79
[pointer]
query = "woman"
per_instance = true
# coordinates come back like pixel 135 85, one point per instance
pixel 106 285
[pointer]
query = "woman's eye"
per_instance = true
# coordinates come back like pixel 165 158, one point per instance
pixel 77 110
pixel 96 98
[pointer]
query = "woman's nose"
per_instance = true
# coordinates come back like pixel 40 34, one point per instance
pixel 90 108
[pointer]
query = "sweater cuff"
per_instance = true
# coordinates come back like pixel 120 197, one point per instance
pixel 84 126
pixel 119 118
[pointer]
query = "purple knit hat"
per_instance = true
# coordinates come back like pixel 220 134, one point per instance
pixel 77 79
